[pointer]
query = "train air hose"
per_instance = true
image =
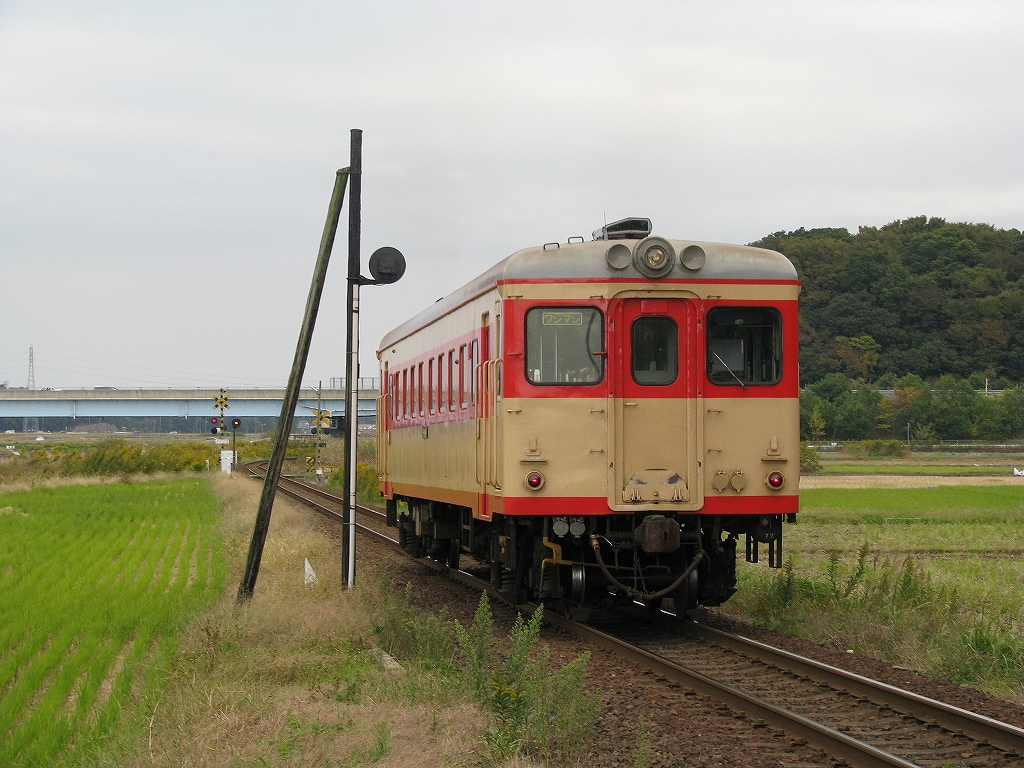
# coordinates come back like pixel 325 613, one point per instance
pixel 632 592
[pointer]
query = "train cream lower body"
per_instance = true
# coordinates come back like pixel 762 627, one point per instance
pixel 680 499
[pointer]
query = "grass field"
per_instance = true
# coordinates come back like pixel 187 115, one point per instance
pixel 955 470
pixel 931 578
pixel 94 583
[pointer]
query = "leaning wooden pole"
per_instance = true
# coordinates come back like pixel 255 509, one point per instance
pixel 291 395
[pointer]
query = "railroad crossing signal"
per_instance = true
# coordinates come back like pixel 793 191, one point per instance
pixel 219 401
pixel 322 419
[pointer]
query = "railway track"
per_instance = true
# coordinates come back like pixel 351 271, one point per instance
pixel 855 720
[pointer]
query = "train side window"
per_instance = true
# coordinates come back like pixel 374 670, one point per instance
pixel 744 346
pixel 564 345
pixel 419 389
pixel 412 391
pixel 440 383
pixel 405 393
pixel 391 396
pixel 474 360
pixel 463 378
pixel 452 379
pixel 430 386
pixel 654 340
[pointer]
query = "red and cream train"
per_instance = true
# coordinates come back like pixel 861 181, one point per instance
pixel 599 419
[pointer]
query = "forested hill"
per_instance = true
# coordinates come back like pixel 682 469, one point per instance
pixel 919 296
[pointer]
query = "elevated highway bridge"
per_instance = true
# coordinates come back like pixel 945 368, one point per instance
pixel 188 403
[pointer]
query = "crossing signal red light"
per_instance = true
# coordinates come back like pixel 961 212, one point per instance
pixel 216 430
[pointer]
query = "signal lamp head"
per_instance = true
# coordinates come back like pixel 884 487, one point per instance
pixel 775 480
pixel 214 420
pixel 236 423
pixel 534 480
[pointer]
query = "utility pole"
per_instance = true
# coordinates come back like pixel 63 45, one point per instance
pixel 259 534
pixel 387 265
pixel 348 538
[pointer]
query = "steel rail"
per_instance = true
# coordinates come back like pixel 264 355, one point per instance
pixel 978 727
pixel 854 752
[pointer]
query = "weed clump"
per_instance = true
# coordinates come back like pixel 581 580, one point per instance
pixel 877 448
pixel 810 461
pixel 537 712
pixel 424 638
pixel 892 609
pixel 367 484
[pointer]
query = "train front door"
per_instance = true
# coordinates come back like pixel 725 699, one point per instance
pixel 656 456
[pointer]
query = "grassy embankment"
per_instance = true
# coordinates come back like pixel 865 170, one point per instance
pixel 927 578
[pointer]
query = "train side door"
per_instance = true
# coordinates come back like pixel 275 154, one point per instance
pixel 656 455
pixel 383 425
pixel 488 435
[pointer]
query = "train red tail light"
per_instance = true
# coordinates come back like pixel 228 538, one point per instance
pixel 775 480
pixel 534 481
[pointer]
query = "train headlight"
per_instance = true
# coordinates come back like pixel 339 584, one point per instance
pixel 534 481
pixel 775 480
pixel 654 257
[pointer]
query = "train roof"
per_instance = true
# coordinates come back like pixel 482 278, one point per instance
pixel 586 261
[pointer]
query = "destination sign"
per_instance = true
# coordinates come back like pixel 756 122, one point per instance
pixel 561 318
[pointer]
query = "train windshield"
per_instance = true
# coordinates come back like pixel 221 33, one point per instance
pixel 564 345
pixel 744 345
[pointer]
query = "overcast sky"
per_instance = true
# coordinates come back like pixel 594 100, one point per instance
pixel 165 167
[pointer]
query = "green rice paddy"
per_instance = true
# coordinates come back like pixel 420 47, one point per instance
pixel 960 504
pixel 94 582
pixel 970 537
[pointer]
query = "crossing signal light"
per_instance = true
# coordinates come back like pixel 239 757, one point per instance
pixel 216 429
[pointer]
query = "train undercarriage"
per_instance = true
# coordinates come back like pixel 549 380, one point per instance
pixel 575 563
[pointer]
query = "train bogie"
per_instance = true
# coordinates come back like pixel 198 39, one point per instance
pixel 599 420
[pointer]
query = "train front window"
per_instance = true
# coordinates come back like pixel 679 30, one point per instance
pixel 744 346
pixel 564 345
pixel 655 344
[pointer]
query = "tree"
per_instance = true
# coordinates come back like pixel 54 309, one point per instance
pixel 817 424
pixel 831 387
pixel 853 422
pixel 858 355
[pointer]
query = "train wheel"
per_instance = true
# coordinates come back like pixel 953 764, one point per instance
pixel 416 546
pixel 454 550
pixel 685 597
pixel 578 583
pixel 496 574
pixel 654 605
